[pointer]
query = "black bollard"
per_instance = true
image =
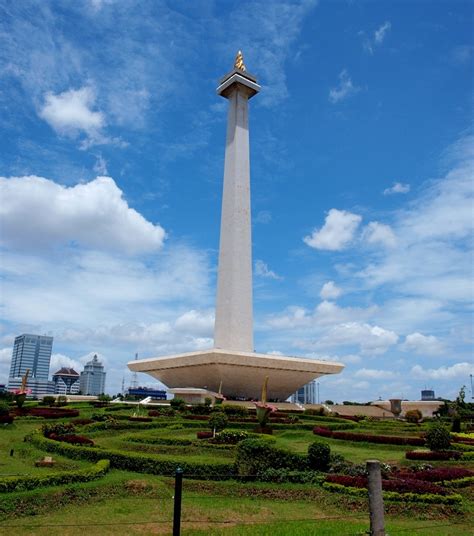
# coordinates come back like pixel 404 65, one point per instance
pixel 178 491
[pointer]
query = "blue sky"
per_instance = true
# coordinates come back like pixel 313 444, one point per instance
pixel 111 161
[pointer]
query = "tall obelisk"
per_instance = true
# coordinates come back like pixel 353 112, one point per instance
pixel 234 311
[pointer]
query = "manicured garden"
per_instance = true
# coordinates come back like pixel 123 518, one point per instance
pixel 308 476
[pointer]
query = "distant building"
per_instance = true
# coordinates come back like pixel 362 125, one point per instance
pixel 427 394
pixel 31 352
pixel 92 380
pixel 144 392
pixel 66 381
pixel 305 395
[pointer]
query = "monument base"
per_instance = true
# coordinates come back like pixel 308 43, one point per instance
pixel 242 374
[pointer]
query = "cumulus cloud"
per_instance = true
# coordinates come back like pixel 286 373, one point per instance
pixel 330 291
pixel 422 344
pixel 196 322
pixel 458 370
pixel 397 188
pixel 374 374
pixel 59 360
pixel 379 233
pixel 262 270
pixel 337 232
pixel 39 213
pixel 344 90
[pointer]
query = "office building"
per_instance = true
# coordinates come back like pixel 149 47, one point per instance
pixel 66 381
pixel 33 353
pixel 92 380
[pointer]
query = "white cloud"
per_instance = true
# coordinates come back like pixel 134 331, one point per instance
pixel 100 166
pixel 422 344
pixel 379 233
pixel 344 90
pixel 337 232
pixel 263 216
pixel 196 322
pixel 374 374
pixel 71 112
pixel 60 360
pixel 262 270
pixel 458 370
pixel 380 33
pixel 397 188
pixel 37 213
pixel 330 291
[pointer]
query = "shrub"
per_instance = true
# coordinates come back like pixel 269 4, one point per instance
pixel 232 410
pixel 61 401
pixel 433 455
pixel 73 439
pixel 140 419
pixel 291 476
pixel 439 474
pixel 218 421
pixel 319 456
pixel 204 435
pixel 413 416
pixel 256 455
pixel 456 424
pixel 437 437
pixel 398 485
pixel 162 412
pixel 4 409
pixel 48 400
pixel 200 409
pixel 81 422
pixel 208 401
pixel 58 429
pixel 177 404
pixel 230 437
pixel 369 438
pixel 53 413
pixel 23 483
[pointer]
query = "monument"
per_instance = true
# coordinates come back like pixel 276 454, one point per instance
pixel 233 362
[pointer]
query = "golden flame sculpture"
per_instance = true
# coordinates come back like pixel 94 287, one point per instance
pixel 239 61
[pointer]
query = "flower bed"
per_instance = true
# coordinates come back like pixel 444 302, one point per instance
pixel 53 413
pixel 73 439
pixel 432 455
pixel 437 474
pixel 399 485
pixel 369 438
pixel 204 435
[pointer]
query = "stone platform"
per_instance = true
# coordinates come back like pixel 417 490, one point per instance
pixel 242 373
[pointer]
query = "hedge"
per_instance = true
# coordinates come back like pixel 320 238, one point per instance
pixel 369 438
pixel 437 474
pixel 25 483
pixel 394 496
pixel 132 461
pixel 399 485
pixel 432 455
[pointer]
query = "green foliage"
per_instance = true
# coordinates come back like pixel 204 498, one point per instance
pixel 104 398
pixel 61 401
pixel 413 416
pixel 291 476
pixel 467 456
pixel 319 456
pixel 218 421
pixel 231 437
pixel 177 404
pixel 456 423
pixel 4 408
pixel 254 456
pixel 233 410
pixel 22 483
pixel 200 409
pixel 437 437
pixel 49 401
pixel 58 428
pixel 208 401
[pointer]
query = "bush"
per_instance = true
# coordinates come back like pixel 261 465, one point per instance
pixel 48 401
pixel 23 483
pixel 58 429
pixel 218 421
pixel 319 456
pixel 254 456
pixel 413 416
pixel 456 424
pixel 4 408
pixel 200 409
pixel 73 439
pixel 204 435
pixel 177 404
pixel 53 413
pixel 61 401
pixel 369 438
pixel 437 437
pixel 232 410
pixel 291 476
pixel 229 437
pixel 162 412
pixel 439 474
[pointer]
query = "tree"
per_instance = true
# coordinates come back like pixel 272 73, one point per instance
pixel 437 437
pixel 218 421
pixel 178 404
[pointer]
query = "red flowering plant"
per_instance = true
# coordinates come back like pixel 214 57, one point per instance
pixel 262 408
pixel 20 394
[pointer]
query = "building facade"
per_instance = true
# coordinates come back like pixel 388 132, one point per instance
pixel 33 353
pixel 92 380
pixel 306 394
pixel 66 381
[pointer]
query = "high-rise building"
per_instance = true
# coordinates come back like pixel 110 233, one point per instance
pixel 306 394
pixel 66 381
pixel 92 381
pixel 427 394
pixel 31 352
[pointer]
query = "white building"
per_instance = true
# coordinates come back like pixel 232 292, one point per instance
pixel 92 381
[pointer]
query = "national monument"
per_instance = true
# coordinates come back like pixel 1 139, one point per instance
pixel 232 363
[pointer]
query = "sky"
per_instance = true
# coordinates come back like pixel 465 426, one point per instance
pixel 362 150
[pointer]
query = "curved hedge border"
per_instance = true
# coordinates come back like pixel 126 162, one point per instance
pixel 25 483
pixel 432 455
pixel 369 438
pixel 394 496
pixel 134 461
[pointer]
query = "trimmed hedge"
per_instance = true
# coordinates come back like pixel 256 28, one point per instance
pixel 132 461
pixel 432 455
pixel 399 485
pixel 25 483
pixel 394 496
pixel 369 438
pixel 438 474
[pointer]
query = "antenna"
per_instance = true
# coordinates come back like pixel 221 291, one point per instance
pixel 134 384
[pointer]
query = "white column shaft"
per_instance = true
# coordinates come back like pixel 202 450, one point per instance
pixel 234 316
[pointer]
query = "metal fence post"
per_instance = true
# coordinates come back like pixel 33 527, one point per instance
pixel 374 478
pixel 178 490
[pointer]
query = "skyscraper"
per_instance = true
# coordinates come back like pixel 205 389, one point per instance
pixel 92 380
pixel 66 381
pixel 31 352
